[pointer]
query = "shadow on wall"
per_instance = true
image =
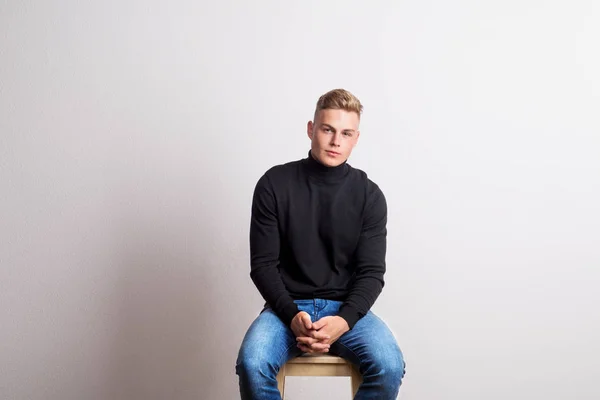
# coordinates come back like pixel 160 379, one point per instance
pixel 163 304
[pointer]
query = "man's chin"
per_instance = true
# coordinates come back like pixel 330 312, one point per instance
pixel 331 164
pixel 329 161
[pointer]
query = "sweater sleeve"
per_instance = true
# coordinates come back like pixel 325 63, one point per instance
pixel 369 259
pixel 264 252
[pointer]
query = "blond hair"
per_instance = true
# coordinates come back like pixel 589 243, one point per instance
pixel 339 99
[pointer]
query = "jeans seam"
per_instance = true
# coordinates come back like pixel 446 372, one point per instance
pixel 282 354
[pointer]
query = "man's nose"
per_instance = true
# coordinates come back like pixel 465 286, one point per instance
pixel 335 139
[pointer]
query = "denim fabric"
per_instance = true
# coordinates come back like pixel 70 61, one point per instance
pixel 269 344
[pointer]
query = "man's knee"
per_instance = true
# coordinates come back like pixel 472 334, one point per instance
pixel 388 364
pixel 396 366
pixel 251 363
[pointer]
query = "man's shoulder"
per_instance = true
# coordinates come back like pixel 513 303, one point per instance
pixel 282 171
pixel 371 190
pixel 359 174
pixel 283 168
pixel 278 173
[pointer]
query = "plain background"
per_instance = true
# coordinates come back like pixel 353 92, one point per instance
pixel 132 134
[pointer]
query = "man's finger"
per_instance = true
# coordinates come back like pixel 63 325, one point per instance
pixel 306 321
pixel 310 338
pixel 304 348
pixel 318 335
pixel 320 347
pixel 306 340
pixel 316 348
pixel 319 324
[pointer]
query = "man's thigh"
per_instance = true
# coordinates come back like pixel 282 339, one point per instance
pixel 268 341
pixel 370 343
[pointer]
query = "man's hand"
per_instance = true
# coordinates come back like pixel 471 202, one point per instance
pixel 313 341
pixel 330 327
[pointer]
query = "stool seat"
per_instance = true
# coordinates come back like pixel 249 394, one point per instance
pixel 318 365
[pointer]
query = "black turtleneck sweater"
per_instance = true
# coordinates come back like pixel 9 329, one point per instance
pixel 318 232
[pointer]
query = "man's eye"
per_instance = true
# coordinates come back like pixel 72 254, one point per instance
pixel 348 133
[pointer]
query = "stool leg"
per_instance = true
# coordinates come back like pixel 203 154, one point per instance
pixel 281 381
pixel 356 380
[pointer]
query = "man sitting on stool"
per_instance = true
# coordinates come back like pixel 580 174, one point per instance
pixel 318 244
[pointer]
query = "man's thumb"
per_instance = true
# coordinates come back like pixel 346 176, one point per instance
pixel 306 320
pixel 319 324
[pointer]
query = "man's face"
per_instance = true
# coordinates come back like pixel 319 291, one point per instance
pixel 333 135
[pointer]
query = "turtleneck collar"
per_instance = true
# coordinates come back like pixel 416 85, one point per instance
pixel 323 172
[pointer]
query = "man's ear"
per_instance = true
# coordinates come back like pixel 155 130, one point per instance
pixel 309 129
pixel 357 136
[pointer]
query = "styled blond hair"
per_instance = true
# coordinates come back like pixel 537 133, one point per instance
pixel 339 99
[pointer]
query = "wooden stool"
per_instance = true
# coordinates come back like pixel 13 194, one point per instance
pixel 318 365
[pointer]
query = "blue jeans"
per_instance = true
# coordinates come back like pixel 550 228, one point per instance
pixel 269 344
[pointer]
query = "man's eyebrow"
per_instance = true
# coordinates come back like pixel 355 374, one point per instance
pixel 323 124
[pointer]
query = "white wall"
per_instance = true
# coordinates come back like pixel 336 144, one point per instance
pixel 132 134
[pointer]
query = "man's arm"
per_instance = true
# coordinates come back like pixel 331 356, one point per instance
pixel 370 261
pixel 264 252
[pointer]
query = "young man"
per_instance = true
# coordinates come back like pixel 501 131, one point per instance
pixel 317 244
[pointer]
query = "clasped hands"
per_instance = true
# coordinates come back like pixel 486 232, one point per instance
pixel 317 337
